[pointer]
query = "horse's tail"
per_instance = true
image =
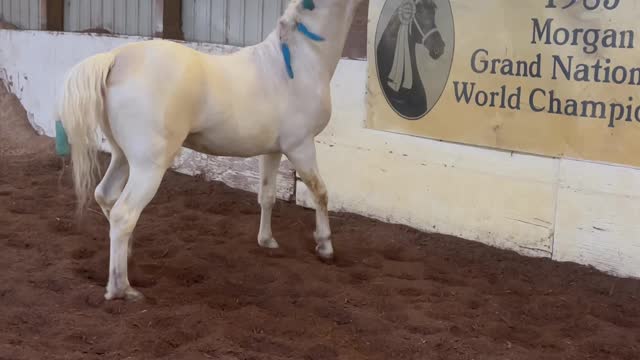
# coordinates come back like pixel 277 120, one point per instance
pixel 82 113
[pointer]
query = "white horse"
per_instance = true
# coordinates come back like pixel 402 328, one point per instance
pixel 150 98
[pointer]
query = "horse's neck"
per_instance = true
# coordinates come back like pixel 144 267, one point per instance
pixel 318 59
pixel 333 24
pixel 337 24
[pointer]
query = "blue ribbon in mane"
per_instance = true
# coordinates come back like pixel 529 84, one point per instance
pixel 286 52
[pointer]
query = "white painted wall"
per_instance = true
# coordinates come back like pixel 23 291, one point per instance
pixel 569 210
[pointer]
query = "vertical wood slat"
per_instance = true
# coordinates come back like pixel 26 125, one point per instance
pixel 43 14
pixel 145 12
pixel 84 14
pixel 3 10
pixel 188 19
pixel 270 17
pixel 252 24
pixel 69 10
pixel 132 15
pixel 14 14
pixel 108 15
pixel 33 14
pixel 235 21
pixel 202 16
pixel 95 9
pixel 8 16
pixel 120 16
pixel 172 19
pixel 52 15
pixel 6 10
pixel 218 22
pixel 71 15
pixel 157 18
pixel 74 15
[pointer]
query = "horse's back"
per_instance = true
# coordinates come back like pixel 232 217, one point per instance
pixel 152 60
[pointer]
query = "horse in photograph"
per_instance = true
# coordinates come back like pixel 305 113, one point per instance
pixel 151 98
pixel 412 23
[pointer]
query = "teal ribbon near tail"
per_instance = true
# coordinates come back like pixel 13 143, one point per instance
pixel 308 4
pixel 62 142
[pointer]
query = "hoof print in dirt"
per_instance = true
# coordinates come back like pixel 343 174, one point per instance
pixel 94 300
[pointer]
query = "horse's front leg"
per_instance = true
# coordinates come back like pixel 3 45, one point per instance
pixel 304 160
pixel 269 165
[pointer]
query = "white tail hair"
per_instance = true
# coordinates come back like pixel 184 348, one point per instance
pixel 82 113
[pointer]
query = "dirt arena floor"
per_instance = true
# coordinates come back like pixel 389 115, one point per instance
pixel 393 293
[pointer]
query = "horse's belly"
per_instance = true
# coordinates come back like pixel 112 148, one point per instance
pixel 231 142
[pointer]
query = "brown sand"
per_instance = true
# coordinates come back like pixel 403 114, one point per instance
pixel 393 293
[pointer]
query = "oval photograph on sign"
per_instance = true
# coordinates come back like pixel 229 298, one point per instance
pixel 414 51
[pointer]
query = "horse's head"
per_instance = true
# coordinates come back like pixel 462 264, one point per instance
pixel 425 21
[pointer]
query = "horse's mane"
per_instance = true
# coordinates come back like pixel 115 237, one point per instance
pixel 293 11
pixel 287 21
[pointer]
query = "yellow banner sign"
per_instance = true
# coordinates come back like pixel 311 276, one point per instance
pixel 552 77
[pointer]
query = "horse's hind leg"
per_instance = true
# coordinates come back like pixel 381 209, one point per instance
pixel 267 197
pixel 304 160
pixel 109 189
pixel 142 185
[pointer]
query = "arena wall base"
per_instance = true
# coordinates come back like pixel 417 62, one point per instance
pixel 566 210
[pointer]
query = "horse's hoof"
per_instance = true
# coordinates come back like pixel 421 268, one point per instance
pixel 269 243
pixel 324 251
pixel 129 294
